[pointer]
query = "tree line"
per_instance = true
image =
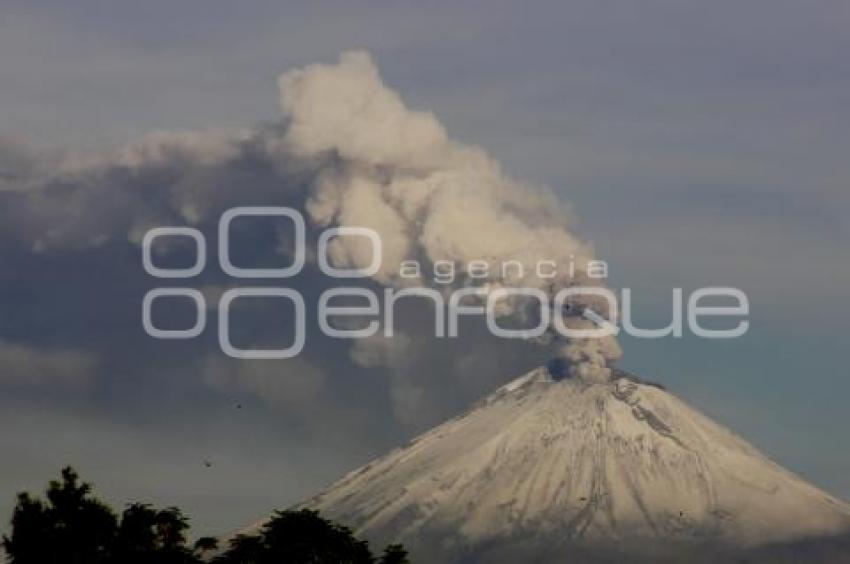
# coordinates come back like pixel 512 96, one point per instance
pixel 71 526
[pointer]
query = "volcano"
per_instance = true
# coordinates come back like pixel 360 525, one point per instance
pixel 552 469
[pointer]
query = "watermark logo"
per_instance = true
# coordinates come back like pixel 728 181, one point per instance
pixel 482 300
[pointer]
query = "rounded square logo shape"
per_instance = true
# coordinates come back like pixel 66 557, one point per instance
pixel 374 240
pixel 200 306
pixel 261 211
pixel 261 354
pixel 200 249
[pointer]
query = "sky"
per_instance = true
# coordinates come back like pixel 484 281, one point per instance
pixel 695 144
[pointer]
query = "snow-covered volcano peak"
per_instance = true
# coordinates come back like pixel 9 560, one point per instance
pixel 544 465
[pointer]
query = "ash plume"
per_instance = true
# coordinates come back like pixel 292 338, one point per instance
pixel 347 152
pixel 396 171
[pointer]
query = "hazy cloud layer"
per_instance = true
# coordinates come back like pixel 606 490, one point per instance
pixel 46 368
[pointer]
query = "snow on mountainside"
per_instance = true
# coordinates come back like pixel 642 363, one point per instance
pixel 545 465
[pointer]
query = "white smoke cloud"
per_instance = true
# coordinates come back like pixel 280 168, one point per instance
pixel 348 152
pixel 379 350
pixel 347 109
pixel 395 170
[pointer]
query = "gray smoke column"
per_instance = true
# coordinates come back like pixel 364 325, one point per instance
pixel 431 199
pixel 348 152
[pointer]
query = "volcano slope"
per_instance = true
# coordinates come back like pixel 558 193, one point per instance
pixel 550 469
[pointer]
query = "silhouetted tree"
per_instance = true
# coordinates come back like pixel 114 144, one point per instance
pixel 73 527
pixel 304 537
pixel 244 549
pixel 146 535
pixel 205 544
pixel 394 554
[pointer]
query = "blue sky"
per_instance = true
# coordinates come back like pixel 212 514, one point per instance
pixel 698 143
